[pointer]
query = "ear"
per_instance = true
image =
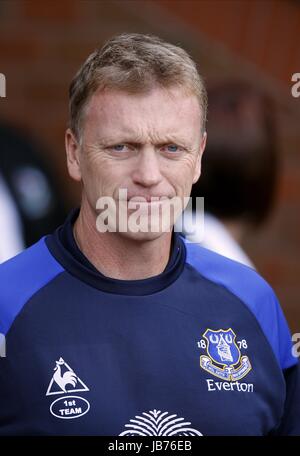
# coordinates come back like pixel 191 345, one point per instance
pixel 73 159
pixel 199 158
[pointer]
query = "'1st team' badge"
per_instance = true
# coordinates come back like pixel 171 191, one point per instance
pixel 224 358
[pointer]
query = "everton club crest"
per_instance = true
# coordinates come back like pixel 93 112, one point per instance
pixel 223 357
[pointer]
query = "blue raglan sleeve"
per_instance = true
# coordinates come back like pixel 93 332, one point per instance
pixel 289 361
pixel 21 277
pixel 274 325
pixel 290 421
pixel 259 297
pixel 276 328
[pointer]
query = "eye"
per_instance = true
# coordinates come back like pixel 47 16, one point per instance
pixel 172 148
pixel 119 147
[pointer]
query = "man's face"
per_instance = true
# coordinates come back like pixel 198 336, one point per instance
pixel 148 144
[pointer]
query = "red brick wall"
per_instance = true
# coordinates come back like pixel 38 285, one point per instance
pixel 264 32
pixel 42 44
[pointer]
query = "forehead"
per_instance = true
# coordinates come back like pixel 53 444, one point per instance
pixel 158 112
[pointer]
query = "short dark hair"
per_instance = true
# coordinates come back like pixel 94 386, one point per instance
pixel 240 163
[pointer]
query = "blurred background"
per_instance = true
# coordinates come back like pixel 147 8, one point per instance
pixel 43 43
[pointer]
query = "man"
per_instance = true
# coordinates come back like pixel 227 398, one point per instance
pixel 113 331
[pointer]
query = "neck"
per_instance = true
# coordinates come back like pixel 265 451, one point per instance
pixel 118 256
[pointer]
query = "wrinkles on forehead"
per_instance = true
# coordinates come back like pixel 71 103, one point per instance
pixel 158 118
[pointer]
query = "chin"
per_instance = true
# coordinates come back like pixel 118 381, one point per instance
pixel 145 228
pixel 142 237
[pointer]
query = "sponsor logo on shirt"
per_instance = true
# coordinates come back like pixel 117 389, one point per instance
pixel 158 423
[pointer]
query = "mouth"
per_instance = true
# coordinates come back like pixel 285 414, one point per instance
pixel 130 196
pixel 147 198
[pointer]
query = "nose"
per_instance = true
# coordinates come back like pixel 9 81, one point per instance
pixel 147 172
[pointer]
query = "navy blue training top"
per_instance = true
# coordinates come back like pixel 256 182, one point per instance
pixel 201 349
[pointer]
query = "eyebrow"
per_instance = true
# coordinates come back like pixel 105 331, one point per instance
pixel 138 141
